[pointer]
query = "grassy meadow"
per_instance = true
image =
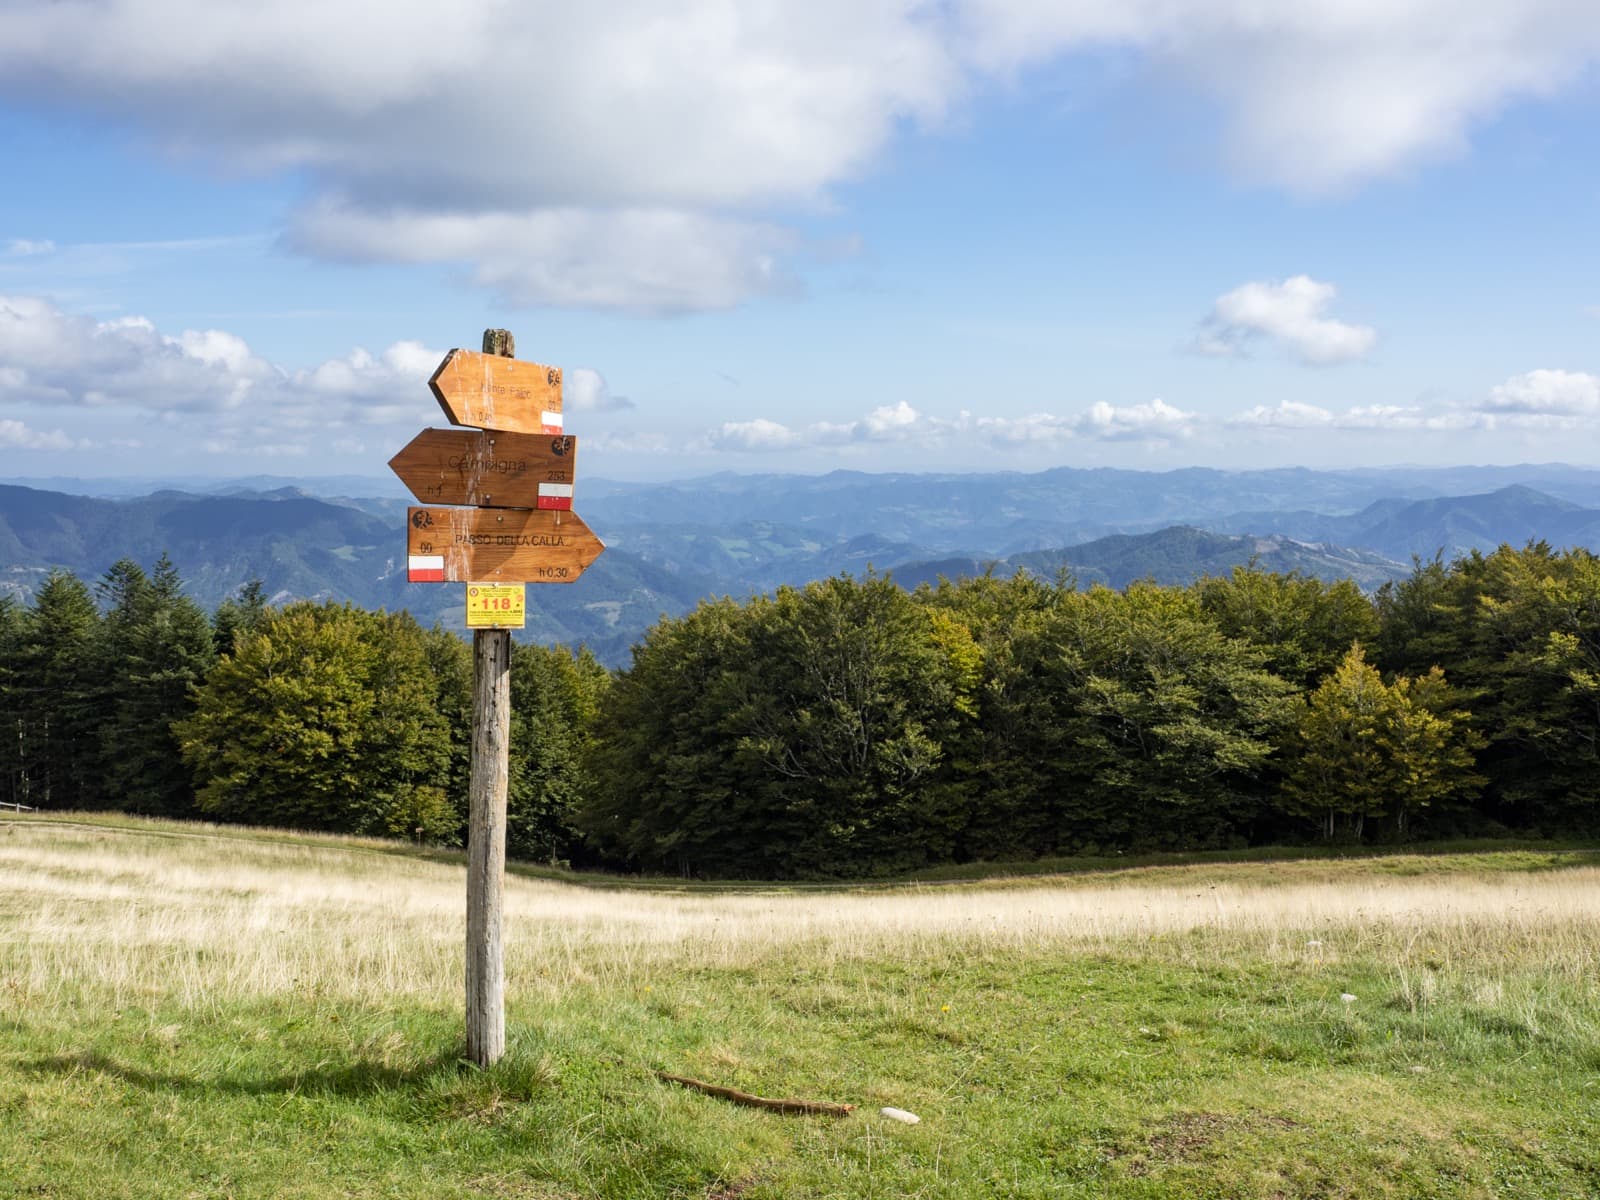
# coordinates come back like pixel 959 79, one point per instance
pixel 194 1011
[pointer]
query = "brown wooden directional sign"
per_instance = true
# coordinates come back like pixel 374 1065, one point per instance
pixel 497 545
pixel 490 392
pixel 489 468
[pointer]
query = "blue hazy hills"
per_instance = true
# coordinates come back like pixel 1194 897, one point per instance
pixel 672 544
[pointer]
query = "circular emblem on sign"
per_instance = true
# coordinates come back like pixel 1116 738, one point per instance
pixel 422 518
pixel 560 446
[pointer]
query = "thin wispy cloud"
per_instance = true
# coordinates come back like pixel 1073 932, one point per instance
pixel 1537 400
pixel 902 423
pixel 28 248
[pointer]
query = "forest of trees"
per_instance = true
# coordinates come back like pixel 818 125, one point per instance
pixel 846 728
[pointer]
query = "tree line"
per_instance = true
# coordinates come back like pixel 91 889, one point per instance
pixel 848 727
pixel 323 716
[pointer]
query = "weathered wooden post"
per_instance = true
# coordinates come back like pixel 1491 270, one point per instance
pixel 514 465
pixel 486 821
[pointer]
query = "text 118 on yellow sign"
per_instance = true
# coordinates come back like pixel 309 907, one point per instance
pixel 496 606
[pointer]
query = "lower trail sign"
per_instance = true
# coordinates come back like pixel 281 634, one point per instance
pixel 497 545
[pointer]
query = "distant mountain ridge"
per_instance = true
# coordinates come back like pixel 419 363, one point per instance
pixel 1088 502
pixel 671 545
pixel 301 547
pixel 1453 525
pixel 1174 556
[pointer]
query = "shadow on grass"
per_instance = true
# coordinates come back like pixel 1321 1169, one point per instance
pixel 354 1079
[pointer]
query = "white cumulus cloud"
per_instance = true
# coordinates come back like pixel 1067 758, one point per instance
pixel 759 434
pixel 648 261
pixel 1546 392
pixel 1293 415
pixel 1404 418
pixel 1155 421
pixel 632 155
pixel 591 155
pixel 903 423
pixel 209 379
pixel 17 436
pixel 584 389
pixel 1291 313
pixel 1321 95
pixel 1035 429
pixel 1288 414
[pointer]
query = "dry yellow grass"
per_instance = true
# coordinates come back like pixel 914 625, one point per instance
pixel 129 913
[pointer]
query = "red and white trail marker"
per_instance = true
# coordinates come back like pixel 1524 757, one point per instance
pixel 555 495
pixel 424 568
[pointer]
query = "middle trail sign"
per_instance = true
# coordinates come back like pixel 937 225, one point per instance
pixel 515 470
pixel 489 468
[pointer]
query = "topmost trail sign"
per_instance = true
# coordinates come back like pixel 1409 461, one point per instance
pixel 487 391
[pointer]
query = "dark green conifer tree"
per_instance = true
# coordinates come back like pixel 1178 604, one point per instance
pixel 449 661
pixel 12 776
pixel 239 614
pixel 58 693
pixel 555 695
pixel 154 646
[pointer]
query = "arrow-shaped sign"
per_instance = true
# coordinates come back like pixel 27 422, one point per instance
pixel 489 468
pixel 497 545
pixel 490 392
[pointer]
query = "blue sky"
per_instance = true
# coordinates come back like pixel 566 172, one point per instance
pixel 877 234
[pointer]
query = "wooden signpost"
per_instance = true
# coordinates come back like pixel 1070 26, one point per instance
pixel 515 466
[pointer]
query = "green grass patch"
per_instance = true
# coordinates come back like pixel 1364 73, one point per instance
pixel 1199 1063
pixel 1104 1076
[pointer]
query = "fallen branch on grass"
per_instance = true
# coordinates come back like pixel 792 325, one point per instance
pixel 819 1107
